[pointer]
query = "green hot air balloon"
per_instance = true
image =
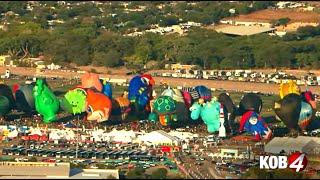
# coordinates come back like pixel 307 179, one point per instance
pixel 74 101
pixel 46 102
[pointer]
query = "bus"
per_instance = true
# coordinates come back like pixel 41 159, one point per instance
pixel 82 153
pixel 134 158
pixel 123 155
pixel 58 154
pixel 5 151
pixel 107 156
pixel 115 155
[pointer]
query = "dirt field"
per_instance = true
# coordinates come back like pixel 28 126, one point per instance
pixel 227 85
pixel 269 14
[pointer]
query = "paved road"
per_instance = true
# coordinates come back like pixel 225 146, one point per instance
pixel 227 85
pixel 212 171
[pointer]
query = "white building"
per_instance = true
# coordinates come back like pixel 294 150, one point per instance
pixel 228 153
pixel 53 66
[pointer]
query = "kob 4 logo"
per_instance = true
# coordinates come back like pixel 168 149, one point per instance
pixel 296 161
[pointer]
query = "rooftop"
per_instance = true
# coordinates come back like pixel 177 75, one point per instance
pixel 244 30
pixel 301 143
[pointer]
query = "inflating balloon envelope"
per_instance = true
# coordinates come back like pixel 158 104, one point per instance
pixel 74 101
pixel 46 102
pixel 7 102
pixel 24 98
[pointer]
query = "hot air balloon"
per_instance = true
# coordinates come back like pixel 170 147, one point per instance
pixel 121 106
pixel 254 124
pixel 250 102
pixel 294 111
pixel 204 93
pixel 24 98
pixel 46 102
pixel 106 88
pixel 91 80
pixel 229 110
pixel 74 101
pixel 210 112
pixel 181 108
pixel 164 110
pixel 98 106
pixel 288 88
pixel 7 102
pixel 140 89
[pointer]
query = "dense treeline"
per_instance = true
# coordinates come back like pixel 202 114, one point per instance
pixel 86 44
pixel 82 40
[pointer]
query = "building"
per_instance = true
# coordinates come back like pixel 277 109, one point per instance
pixel 40 64
pixel 228 153
pixel 179 66
pixel 34 169
pixel 5 60
pixel 245 30
pixel 247 22
pixel 97 174
pixel 53 66
pixel 158 138
pixel 305 144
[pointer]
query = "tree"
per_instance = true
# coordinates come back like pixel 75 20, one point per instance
pixel 303 59
pixel 169 21
pixel 109 59
pixel 111 177
pixel 160 173
pixel 283 21
pixel 33 159
pixel 136 173
pixel 101 166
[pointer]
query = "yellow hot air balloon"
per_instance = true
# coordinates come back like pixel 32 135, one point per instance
pixel 288 87
pixel 6 133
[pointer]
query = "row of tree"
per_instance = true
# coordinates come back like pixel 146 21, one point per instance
pixel 86 44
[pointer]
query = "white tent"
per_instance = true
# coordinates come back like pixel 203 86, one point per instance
pixel 159 138
pixel 13 134
pixel 121 136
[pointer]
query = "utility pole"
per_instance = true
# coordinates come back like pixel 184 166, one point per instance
pixel 77 138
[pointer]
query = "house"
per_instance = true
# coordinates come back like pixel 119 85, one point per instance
pixel 4 60
pixel 40 64
pixel 53 66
